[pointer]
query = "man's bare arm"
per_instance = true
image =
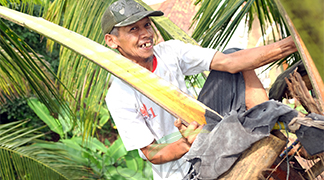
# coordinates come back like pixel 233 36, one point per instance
pixel 250 59
pixel 162 153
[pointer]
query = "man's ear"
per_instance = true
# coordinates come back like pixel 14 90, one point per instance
pixel 111 41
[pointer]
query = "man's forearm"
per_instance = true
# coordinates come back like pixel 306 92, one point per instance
pixel 162 153
pixel 250 59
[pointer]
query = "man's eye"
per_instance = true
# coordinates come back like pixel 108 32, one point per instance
pixel 133 28
pixel 148 24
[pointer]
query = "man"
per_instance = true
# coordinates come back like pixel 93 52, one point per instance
pixel 144 125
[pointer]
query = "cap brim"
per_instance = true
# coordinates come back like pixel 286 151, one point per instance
pixel 136 17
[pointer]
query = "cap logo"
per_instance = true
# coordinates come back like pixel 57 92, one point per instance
pixel 131 8
pixel 117 7
pixel 122 11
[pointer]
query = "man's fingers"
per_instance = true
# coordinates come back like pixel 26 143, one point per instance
pixel 196 131
pixel 193 125
pixel 179 125
pixel 192 135
pixel 190 130
pixel 201 127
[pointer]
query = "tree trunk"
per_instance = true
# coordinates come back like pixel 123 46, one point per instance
pixel 258 158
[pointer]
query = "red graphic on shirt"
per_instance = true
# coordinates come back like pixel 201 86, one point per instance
pixel 147 113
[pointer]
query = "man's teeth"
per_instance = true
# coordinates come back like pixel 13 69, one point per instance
pixel 146 45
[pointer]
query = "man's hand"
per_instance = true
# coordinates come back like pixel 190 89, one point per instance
pixel 189 133
pixel 162 153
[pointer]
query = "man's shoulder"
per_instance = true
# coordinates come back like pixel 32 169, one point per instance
pixel 168 48
pixel 169 43
pixel 119 89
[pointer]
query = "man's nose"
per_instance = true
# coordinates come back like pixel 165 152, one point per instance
pixel 146 32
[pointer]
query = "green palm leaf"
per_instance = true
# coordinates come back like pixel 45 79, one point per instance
pixel 25 5
pixel 17 165
pixel 24 73
pixel 21 160
pixel 86 80
pixel 216 22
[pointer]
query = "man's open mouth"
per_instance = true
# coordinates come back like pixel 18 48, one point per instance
pixel 146 45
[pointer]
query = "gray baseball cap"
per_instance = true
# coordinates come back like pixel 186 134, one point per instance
pixel 123 13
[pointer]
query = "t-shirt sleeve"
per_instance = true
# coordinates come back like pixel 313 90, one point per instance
pixel 130 123
pixel 192 59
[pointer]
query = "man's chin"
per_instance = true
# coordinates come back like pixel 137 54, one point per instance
pixel 148 55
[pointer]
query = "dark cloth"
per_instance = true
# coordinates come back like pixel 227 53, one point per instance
pixel 279 87
pixel 312 138
pixel 223 92
pixel 222 141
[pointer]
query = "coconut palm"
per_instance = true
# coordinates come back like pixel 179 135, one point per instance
pixel 82 84
pixel 20 159
pixel 82 79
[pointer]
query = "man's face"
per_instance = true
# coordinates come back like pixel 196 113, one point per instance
pixel 135 41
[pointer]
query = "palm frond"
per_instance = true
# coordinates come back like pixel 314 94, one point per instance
pixel 160 91
pixel 86 80
pixel 25 6
pixel 21 160
pixel 216 22
pixel 24 73
pixel 16 165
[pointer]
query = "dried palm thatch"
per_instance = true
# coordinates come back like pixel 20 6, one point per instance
pixel 313 165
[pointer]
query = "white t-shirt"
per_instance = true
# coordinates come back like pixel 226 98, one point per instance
pixel 140 121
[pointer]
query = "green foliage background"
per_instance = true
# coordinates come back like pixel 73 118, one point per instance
pixel 82 85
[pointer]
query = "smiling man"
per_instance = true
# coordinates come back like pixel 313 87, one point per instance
pixel 128 43
pixel 144 125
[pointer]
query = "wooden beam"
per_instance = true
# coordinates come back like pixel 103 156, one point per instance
pixel 259 157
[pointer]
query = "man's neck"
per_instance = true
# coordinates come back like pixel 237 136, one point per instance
pixel 146 63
